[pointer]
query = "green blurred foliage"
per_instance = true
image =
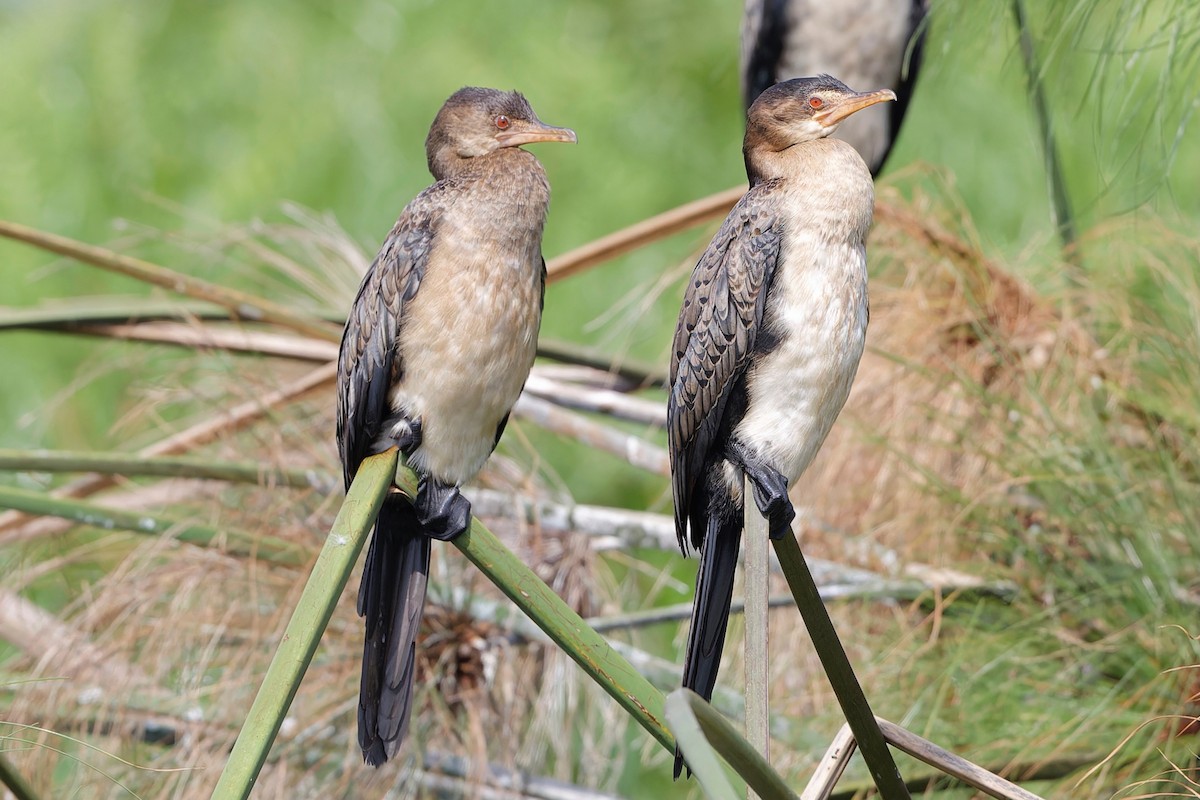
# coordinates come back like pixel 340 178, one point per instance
pixel 124 116
pixel 121 119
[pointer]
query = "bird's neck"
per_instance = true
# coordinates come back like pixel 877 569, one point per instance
pixel 818 157
pixel 500 197
pixel 822 184
pixel 512 161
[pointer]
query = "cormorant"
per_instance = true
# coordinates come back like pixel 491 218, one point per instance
pixel 772 328
pixel 863 42
pixel 437 347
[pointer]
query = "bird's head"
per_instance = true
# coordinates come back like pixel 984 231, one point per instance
pixel 475 122
pixel 803 110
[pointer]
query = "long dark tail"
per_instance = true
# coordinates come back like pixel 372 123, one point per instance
pixel 391 599
pixel 714 594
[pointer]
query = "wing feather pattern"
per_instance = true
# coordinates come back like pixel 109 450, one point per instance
pixel 368 365
pixel 391 597
pixel 718 327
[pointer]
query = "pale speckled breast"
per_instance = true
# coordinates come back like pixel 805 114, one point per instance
pixel 817 307
pixel 470 336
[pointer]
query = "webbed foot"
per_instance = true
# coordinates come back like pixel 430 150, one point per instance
pixel 770 491
pixel 443 511
pixel 771 497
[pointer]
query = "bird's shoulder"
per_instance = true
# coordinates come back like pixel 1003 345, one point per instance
pixel 395 274
pixel 722 298
pixel 718 329
pixel 368 362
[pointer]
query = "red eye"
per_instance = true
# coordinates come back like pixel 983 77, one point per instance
pixel 502 122
pixel 815 102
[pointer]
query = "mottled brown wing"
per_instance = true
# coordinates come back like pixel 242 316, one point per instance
pixel 718 327
pixel 368 364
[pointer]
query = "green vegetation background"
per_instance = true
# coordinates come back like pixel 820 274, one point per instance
pixel 122 120
pixel 121 116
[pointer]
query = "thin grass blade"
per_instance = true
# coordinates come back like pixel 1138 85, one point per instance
pixel 232 541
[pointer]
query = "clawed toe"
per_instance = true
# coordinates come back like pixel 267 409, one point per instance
pixel 443 511
pixel 406 435
pixel 771 497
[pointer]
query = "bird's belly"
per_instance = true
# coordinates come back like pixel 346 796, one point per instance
pixel 796 391
pixel 465 360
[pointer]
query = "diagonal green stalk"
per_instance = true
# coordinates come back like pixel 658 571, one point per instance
pixel 14 782
pixel 242 304
pixel 136 464
pixel 567 629
pixel 833 657
pixel 694 745
pixel 689 715
pixel 233 541
pixel 313 610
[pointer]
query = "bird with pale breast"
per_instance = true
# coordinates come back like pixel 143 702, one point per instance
pixel 436 349
pixel 863 42
pixel 773 325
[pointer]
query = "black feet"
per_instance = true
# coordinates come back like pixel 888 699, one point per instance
pixel 406 435
pixel 443 511
pixel 770 491
pixel 771 497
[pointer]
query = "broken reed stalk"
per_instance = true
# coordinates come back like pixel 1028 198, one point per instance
pixel 831 767
pixel 837 667
pixel 313 610
pixel 957 769
pixel 757 590
pixel 953 765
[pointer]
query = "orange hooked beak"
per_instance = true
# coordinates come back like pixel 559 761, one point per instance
pixel 836 111
pixel 536 131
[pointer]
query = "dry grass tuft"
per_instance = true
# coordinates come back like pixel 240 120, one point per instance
pixel 961 356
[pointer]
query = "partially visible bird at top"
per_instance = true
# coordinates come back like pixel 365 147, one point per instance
pixel 436 349
pixel 863 42
pixel 773 325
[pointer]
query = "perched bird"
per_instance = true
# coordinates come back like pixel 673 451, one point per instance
pixel 863 42
pixel 772 328
pixel 437 347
